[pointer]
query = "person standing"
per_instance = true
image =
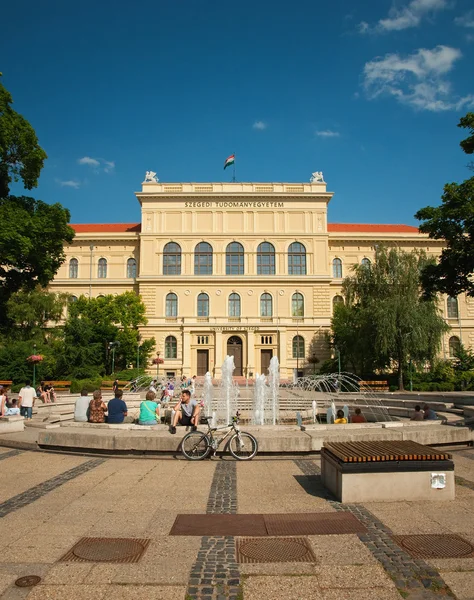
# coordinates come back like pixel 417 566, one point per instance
pixel 26 400
pixel 3 401
pixel 115 386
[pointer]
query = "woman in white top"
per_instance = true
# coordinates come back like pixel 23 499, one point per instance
pixel 3 401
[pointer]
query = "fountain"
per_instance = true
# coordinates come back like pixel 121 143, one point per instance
pixel 207 395
pixel 229 392
pixel 274 381
pixel 260 399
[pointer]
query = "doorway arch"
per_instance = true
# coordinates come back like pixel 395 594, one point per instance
pixel 234 348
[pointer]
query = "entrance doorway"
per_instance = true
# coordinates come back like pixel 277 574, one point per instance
pixel 202 362
pixel 265 357
pixel 234 348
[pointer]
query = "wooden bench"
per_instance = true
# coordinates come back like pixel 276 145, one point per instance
pixel 109 385
pixel 59 386
pixel 6 382
pixel 376 386
pixel 386 471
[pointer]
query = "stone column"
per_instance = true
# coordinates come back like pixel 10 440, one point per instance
pixel 186 366
pixel 285 373
pixel 250 353
pixel 218 354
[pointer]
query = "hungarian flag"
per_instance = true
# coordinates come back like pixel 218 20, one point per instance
pixel 229 161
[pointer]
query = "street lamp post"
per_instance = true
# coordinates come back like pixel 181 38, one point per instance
pixel 157 365
pixel 91 248
pixel 138 357
pixel 338 360
pixel 112 346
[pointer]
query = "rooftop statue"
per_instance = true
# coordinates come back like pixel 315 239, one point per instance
pixel 317 177
pixel 150 176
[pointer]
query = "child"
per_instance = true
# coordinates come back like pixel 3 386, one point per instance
pixel 341 419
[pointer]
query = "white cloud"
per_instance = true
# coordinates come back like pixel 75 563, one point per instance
pixel 405 17
pixel 466 20
pixel 87 160
pixel 327 133
pixel 417 80
pixel 98 164
pixel 260 125
pixel 69 183
pixel 109 166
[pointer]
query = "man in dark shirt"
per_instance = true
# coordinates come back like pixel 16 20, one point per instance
pixel 117 409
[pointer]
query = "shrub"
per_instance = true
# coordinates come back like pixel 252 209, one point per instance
pixel 126 374
pixel 77 385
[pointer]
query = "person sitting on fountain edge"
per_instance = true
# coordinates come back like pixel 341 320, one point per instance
pixel 186 412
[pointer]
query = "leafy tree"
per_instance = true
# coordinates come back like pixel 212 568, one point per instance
pixel 21 156
pixel 93 323
pixel 30 312
pixel 453 222
pixel 386 320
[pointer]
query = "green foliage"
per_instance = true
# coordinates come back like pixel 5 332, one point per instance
pixel 77 385
pixel 453 222
pixel 385 319
pixel 31 244
pixel 127 374
pixel 29 312
pixel 21 157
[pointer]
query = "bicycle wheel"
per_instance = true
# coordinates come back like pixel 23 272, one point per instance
pixel 195 445
pixel 243 446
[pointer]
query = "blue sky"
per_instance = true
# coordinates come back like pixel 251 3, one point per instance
pixel 369 93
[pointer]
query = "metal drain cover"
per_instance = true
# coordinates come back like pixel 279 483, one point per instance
pixel 272 550
pixel 117 550
pixel 435 545
pixel 28 581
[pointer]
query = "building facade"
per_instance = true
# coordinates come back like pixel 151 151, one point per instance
pixel 251 270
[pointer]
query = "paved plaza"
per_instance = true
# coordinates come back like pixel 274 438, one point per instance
pixel 49 501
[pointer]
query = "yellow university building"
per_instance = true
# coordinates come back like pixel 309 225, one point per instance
pixel 251 270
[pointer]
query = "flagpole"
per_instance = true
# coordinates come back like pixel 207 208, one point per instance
pixel 233 175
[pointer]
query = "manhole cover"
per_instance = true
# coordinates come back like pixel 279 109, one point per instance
pixel 118 550
pixel 28 581
pixel 435 546
pixel 271 550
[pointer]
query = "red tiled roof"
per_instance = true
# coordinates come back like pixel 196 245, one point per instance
pixel 370 228
pixel 106 227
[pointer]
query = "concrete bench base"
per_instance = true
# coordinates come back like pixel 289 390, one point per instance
pixel 386 481
pixel 12 424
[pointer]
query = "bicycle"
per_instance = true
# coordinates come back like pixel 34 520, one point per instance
pixel 196 445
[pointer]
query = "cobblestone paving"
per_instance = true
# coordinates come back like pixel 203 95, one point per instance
pixel 44 488
pixel 464 482
pixel 215 575
pixel 415 579
pixel 9 454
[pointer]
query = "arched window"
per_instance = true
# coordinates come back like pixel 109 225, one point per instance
pixel 171 347
pixel 171 309
pixel 337 300
pixel 337 268
pixel 203 305
pixel 365 262
pixel 72 298
pixel 296 259
pixel 266 305
pixel 266 259
pixel 131 268
pixel 234 259
pixel 453 310
pixel 298 346
pixel 102 268
pixel 234 305
pixel 172 259
pixel 297 305
pixel 454 346
pixel 73 268
pixel 203 259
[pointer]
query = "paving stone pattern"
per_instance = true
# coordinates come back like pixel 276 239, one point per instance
pixel 466 454
pixel 44 488
pixel 215 575
pixel 9 454
pixel 414 578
